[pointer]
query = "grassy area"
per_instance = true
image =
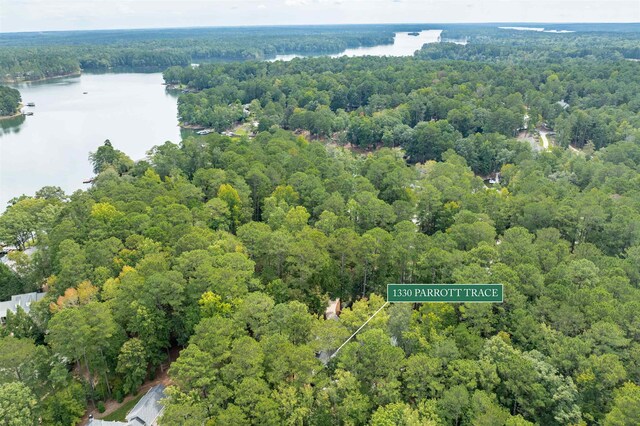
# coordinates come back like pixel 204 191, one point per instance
pixel 240 131
pixel 120 413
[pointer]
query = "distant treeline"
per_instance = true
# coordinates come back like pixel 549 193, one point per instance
pixel 38 55
pixel 33 56
pixel 581 41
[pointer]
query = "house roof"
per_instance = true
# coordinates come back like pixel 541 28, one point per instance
pixel 333 309
pixel 148 408
pixel 22 300
pixel 7 249
pixel 98 422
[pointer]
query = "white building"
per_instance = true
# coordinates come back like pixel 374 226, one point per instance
pixel 145 413
pixel 23 301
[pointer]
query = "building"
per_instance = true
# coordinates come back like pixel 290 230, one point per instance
pixel 23 301
pixel 331 313
pixel 148 409
pixel 4 252
pixel 145 413
pixel 333 310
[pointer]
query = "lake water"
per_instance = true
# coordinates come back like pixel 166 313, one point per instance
pixel 51 147
pixel 403 45
pixel 133 110
pixel 537 29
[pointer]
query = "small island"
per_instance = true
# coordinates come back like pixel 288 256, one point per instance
pixel 9 102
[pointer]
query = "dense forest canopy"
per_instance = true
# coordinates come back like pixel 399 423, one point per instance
pixel 230 248
pixel 9 101
pixel 447 94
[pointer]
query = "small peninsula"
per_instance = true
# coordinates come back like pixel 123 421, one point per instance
pixel 9 102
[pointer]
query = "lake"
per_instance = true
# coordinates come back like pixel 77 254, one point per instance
pixel 403 45
pixel 51 147
pixel 133 110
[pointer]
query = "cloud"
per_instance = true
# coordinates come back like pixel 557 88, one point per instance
pixel 336 2
pixel 42 15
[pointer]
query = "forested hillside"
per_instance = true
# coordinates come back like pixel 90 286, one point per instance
pixel 233 247
pixel 452 95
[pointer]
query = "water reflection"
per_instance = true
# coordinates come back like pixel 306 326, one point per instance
pixel 11 125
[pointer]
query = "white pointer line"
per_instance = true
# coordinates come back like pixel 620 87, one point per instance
pixel 361 327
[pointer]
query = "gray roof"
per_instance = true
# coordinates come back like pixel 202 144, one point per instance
pixel 148 409
pixel 22 300
pixel 98 422
pixel 4 258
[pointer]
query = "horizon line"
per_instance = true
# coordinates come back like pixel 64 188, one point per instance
pixel 323 25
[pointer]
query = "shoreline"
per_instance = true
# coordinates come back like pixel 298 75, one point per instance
pixel 16 115
pixel 191 126
pixel 14 81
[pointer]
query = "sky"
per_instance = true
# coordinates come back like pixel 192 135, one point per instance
pixel 47 15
